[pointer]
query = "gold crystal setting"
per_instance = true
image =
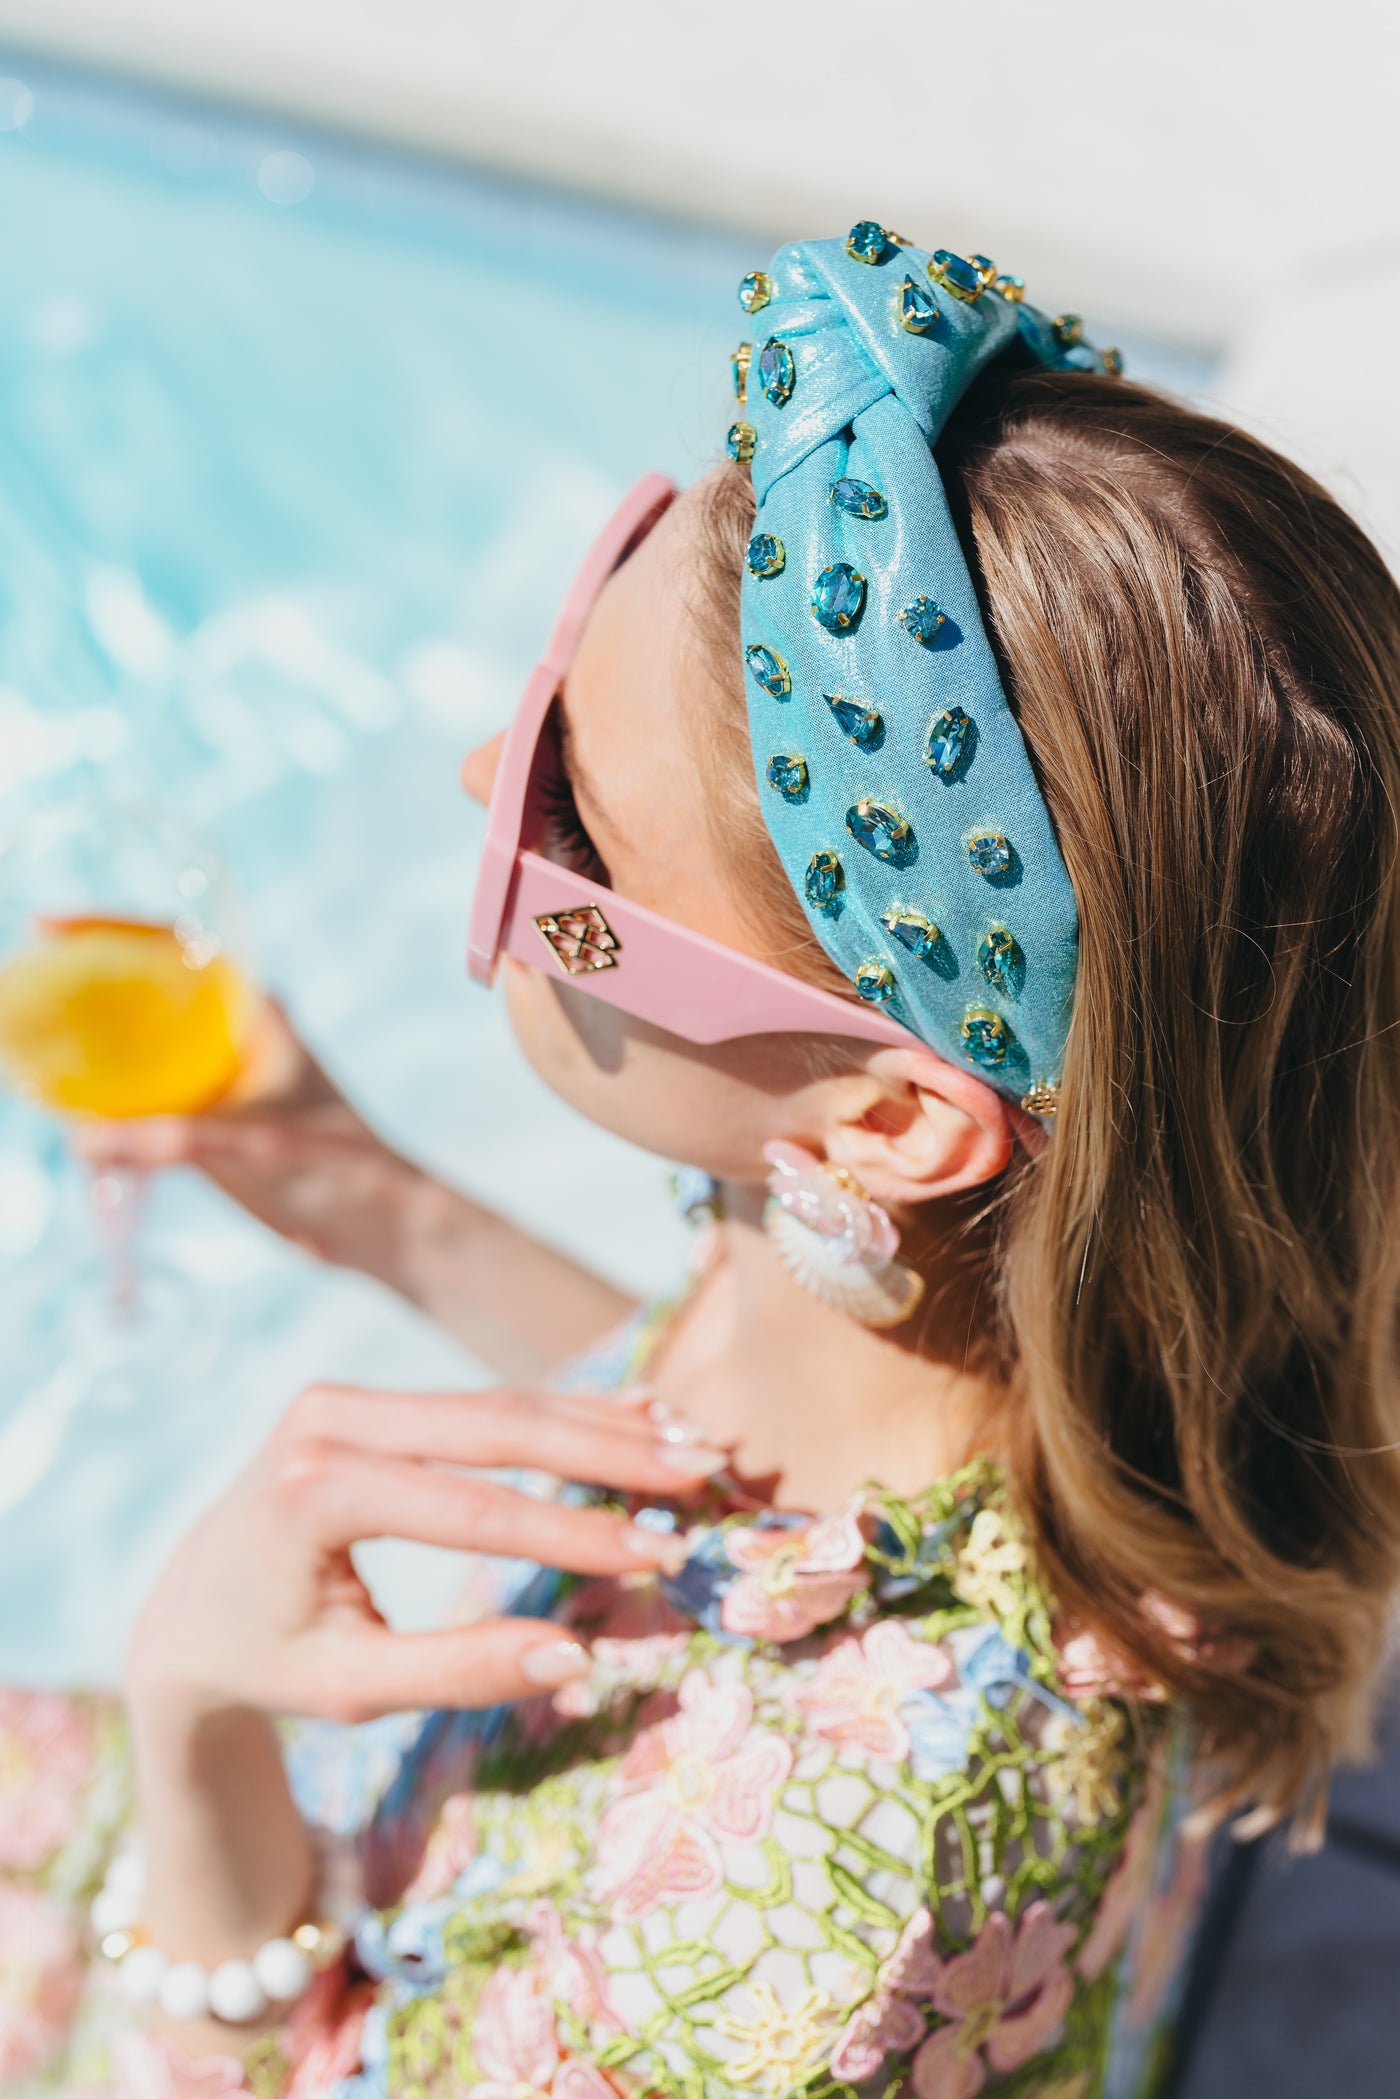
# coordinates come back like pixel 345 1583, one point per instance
pixel 580 939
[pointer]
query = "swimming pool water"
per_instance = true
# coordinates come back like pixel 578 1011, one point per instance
pixel 299 441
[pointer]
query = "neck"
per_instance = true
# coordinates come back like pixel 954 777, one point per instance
pixel 810 1402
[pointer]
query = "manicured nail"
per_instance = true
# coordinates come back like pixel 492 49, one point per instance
pixel 694 1458
pixel 675 1428
pixel 555 1662
pixel 657 1548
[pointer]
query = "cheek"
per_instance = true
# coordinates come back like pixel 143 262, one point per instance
pixel 635 1082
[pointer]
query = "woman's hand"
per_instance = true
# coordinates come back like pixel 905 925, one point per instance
pixel 261 1605
pixel 289 1148
pixel 261 1611
pixel 293 1152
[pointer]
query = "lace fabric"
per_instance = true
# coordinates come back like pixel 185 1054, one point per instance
pixel 829 1815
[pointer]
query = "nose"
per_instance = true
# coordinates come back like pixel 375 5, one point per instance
pixel 479 769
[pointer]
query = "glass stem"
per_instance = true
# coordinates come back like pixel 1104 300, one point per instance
pixel 118 1205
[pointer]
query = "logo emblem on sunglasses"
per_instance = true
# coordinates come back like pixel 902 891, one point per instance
pixel 581 939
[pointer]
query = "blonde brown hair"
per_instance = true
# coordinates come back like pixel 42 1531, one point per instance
pixel 1198 1281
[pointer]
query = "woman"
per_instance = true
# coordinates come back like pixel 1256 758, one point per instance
pixel 968 838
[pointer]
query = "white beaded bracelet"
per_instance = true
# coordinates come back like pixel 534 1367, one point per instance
pixel 236 1991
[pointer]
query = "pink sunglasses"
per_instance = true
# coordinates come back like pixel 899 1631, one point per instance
pixel 529 906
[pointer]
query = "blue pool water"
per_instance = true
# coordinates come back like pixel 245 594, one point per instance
pixel 299 441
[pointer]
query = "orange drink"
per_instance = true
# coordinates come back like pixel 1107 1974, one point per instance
pixel 118 1017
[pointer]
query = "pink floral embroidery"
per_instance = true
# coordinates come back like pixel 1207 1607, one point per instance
pixel 450 1850
pixel 152 2069
pixel 46 1751
pixel 618 1666
pixel 792 1581
pixel 40 1978
pixel 687 1783
pixel 322 2036
pixel 889 2023
pixel 1004 2000
pixel 855 1691
pixel 515 2035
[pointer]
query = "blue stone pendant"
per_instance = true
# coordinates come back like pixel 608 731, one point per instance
pixel 777 374
pixel 918 309
pixel 768 669
pixel 880 827
pixel 956 275
pixel 1000 960
pixel 755 290
pixel 739 368
pixel 867 242
pixel 853 717
pixel 788 773
pixel 838 597
pixel 922 619
pixel 874 982
pixel 739 442
pixel 912 929
pixel 766 555
pixel 825 879
pixel 989 853
pixel 857 498
pixel 986 1037
pixel 947 738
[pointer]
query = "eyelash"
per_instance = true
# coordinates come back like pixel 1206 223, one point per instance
pixel 565 828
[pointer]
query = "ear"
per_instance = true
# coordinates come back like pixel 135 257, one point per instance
pixel 933 1129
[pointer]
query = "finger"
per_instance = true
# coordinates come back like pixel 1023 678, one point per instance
pixel 362 1674
pixel 145 1141
pixel 338 1497
pixel 504 1428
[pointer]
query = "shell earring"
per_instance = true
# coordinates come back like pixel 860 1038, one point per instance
pixel 836 1241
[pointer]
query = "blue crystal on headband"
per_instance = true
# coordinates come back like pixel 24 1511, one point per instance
pixel 999 960
pixel 777 374
pixel 858 498
pixel 881 827
pixel 947 739
pixel 739 369
pixel 867 242
pixel 766 555
pixel 922 618
pixel 989 853
pixel 918 309
pixel 986 1037
pixel 788 773
pixel 755 290
pixel 853 717
pixel 912 929
pixel 874 982
pixel 740 442
pixel 958 276
pixel 838 597
pixel 914 837
pixel 825 879
pixel 768 669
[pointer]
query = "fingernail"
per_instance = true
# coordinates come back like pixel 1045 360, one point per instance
pixel 555 1662
pixel 675 1428
pixel 695 1458
pixel 669 1553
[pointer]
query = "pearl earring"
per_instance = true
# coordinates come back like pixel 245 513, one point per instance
pixel 836 1241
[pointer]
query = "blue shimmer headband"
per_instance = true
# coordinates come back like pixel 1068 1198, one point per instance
pixel 892 774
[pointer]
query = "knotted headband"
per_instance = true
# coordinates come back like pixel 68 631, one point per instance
pixel 893 777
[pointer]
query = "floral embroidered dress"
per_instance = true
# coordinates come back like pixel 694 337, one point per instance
pixel 832 1814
